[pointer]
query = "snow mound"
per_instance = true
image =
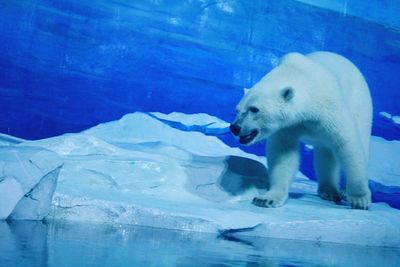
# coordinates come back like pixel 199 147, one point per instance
pixel 8 140
pixel 143 128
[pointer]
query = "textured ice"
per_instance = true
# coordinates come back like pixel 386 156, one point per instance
pixel 28 176
pixel 139 170
pixel 385 115
pixel 200 122
pixel 394 119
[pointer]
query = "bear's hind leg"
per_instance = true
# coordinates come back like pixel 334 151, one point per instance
pixel 327 170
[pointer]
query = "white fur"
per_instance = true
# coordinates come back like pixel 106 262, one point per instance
pixel 321 99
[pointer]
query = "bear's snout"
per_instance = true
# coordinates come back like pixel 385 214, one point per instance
pixel 235 129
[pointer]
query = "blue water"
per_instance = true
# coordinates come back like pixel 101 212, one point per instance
pixel 74 245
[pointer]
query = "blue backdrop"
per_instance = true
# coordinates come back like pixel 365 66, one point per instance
pixel 67 65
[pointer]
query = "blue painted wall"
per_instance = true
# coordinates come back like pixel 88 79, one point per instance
pixel 381 11
pixel 67 65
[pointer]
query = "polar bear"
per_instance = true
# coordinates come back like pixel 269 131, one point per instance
pixel 320 99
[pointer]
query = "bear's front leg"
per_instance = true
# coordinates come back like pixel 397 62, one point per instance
pixel 327 170
pixel 354 163
pixel 283 163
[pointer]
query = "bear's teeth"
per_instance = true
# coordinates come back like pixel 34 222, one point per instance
pixel 244 139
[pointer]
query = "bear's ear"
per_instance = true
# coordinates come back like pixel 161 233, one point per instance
pixel 245 90
pixel 293 58
pixel 287 93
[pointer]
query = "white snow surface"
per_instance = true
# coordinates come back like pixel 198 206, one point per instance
pixel 138 170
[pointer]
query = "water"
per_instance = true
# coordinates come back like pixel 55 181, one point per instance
pixel 59 244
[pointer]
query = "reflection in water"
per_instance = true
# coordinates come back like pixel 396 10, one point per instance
pixel 23 244
pixel 59 244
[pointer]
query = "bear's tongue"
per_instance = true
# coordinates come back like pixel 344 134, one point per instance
pixel 244 139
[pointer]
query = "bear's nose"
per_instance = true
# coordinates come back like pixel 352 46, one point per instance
pixel 235 129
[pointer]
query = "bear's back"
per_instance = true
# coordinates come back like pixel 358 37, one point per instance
pixel 353 87
pixel 350 80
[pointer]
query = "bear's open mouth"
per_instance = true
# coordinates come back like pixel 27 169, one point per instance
pixel 245 139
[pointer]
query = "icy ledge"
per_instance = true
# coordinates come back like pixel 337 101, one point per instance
pixel 138 170
pixel 28 177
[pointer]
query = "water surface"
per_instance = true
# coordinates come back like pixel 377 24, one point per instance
pixel 59 244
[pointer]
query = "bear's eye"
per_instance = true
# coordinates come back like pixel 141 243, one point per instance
pixel 254 109
pixel 287 93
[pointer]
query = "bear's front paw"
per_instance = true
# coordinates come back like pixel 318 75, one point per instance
pixel 270 200
pixel 359 202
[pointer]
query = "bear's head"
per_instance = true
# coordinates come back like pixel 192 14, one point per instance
pixel 277 101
